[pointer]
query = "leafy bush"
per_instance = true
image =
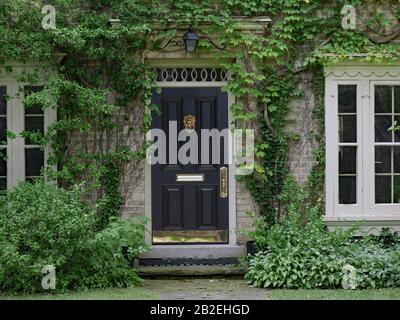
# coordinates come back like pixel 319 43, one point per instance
pixel 42 224
pixel 299 252
pixel 300 256
pixel 377 265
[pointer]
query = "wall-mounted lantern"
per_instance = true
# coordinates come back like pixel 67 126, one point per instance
pixel 189 40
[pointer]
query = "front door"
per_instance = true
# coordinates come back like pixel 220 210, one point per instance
pixel 190 199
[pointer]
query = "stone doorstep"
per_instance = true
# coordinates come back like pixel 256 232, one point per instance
pixel 191 260
pixel 191 270
pixel 194 252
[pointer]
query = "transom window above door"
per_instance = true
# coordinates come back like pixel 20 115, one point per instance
pixel 363 142
pixel 190 75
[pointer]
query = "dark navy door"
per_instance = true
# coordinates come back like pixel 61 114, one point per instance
pixel 190 201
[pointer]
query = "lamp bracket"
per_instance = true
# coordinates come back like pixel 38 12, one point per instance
pixel 178 41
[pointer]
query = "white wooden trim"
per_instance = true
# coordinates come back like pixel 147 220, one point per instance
pixel 232 181
pixel 330 147
pixel 192 84
pixel 148 237
pixel 18 162
pixel 332 151
pixel 8 147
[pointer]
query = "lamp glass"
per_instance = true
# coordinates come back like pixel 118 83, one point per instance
pixel 190 45
pixel 191 39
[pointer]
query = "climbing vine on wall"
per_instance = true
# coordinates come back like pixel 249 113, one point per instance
pixel 102 85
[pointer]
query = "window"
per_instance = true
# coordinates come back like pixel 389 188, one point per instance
pixel 363 143
pixel 347 112
pixel 3 137
pixel 20 158
pixel 34 122
pixel 387 150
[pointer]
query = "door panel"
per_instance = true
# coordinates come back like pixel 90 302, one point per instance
pixel 172 199
pixel 187 206
pixel 172 111
pixel 207 117
pixel 207 207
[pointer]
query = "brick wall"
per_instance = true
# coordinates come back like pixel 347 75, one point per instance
pixel 135 202
pixel 302 126
pixel 244 204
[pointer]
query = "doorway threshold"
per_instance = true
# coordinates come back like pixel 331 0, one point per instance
pixel 205 251
pixel 190 270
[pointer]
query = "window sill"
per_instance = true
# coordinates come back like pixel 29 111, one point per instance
pixel 367 219
pixel 368 225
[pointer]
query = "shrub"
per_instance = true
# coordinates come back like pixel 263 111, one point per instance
pixel 377 265
pixel 299 253
pixel 42 224
pixel 300 256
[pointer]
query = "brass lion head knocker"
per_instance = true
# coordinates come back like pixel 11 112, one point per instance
pixel 189 122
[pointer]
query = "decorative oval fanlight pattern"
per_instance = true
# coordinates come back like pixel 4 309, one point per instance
pixel 190 75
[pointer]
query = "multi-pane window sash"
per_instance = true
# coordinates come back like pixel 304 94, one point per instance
pixel 387 144
pixel 347 112
pixel 34 122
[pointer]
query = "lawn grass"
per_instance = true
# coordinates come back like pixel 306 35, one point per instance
pixel 132 293
pixel 381 294
pixel 142 293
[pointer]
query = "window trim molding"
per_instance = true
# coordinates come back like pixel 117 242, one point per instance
pixel 365 76
pixel 8 147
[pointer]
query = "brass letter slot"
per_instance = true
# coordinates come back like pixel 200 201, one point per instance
pixel 189 177
pixel 223 182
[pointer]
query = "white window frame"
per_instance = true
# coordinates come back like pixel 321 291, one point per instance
pixel 16 124
pixel 332 139
pixel 8 147
pixel 366 77
pixel 386 210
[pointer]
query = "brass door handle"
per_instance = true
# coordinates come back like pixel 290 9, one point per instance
pixel 223 182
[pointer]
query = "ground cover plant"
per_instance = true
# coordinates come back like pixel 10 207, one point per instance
pixel 300 253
